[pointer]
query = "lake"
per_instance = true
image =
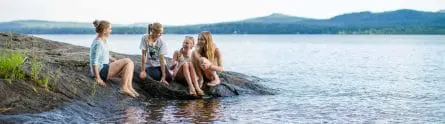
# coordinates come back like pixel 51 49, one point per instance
pixel 320 78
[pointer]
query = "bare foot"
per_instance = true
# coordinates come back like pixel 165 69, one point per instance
pixel 192 92
pixel 200 92
pixel 134 92
pixel 214 83
pixel 127 93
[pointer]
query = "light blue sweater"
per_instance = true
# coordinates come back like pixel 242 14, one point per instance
pixel 99 54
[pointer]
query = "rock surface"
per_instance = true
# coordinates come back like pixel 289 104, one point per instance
pixel 67 67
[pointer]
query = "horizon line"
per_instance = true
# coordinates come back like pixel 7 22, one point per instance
pixel 272 13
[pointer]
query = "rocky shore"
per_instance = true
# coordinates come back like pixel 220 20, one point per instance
pixel 66 68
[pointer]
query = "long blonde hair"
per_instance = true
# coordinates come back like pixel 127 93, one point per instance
pixel 208 49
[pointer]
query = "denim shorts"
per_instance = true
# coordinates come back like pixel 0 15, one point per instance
pixel 104 72
pixel 155 73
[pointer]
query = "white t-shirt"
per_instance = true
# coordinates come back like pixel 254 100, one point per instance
pixel 154 51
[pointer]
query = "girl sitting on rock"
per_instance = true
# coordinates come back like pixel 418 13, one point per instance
pixel 207 60
pixel 100 66
pixel 183 69
pixel 154 50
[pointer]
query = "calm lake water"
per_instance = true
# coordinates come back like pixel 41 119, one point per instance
pixel 321 79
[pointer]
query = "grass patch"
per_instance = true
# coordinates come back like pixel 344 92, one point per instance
pixel 56 76
pixel 36 71
pixel 36 68
pixel 93 93
pixel 43 82
pixel 11 65
pixel 9 43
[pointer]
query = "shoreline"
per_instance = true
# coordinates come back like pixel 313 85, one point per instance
pixel 67 67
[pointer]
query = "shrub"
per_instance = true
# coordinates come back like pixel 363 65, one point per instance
pixel 11 65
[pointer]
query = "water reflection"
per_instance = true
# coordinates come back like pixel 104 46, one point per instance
pixel 177 111
pixel 155 110
pixel 198 111
pixel 132 115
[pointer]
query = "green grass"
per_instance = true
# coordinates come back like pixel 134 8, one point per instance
pixel 36 68
pixel 56 75
pixel 43 82
pixel 12 68
pixel 36 71
pixel 11 65
pixel 93 93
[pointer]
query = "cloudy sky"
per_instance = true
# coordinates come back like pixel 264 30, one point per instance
pixel 182 12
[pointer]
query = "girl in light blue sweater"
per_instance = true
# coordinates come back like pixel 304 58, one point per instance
pixel 101 68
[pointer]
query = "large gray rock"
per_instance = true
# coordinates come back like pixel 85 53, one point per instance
pixel 67 66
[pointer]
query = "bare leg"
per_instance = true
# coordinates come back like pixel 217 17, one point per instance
pixel 129 67
pixel 196 61
pixel 210 74
pixel 127 75
pixel 186 74
pixel 215 79
pixel 180 76
pixel 195 80
pixel 116 69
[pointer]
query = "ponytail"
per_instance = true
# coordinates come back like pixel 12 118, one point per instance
pixel 101 25
pixel 150 29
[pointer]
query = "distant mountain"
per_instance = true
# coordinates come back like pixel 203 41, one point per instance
pixel 393 22
pixel 441 11
pixel 48 24
pixel 52 27
pixel 142 24
pixel 43 24
pixel 399 17
pixel 403 21
pixel 275 18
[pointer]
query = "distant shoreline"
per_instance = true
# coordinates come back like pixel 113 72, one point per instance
pixel 258 34
pixel 402 21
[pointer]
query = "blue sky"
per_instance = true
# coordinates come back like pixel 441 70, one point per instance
pixel 182 12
